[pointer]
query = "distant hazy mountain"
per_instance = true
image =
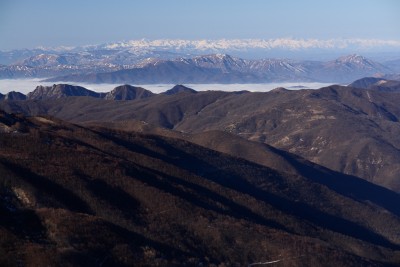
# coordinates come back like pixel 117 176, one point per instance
pixel 394 65
pixel 255 60
pixel 45 60
pixel 350 68
pixel 171 71
pixel 25 71
pixel 221 68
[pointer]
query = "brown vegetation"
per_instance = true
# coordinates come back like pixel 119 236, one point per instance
pixel 77 196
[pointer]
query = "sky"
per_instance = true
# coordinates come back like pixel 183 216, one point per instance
pixel 50 23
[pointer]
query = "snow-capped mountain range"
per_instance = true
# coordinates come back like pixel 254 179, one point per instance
pixel 247 48
pixel 243 44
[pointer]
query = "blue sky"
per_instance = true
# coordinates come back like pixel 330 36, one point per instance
pixel 32 23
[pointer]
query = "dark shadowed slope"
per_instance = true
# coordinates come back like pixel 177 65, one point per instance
pixel 175 72
pixel 80 197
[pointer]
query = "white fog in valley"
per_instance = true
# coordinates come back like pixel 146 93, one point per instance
pixel 28 85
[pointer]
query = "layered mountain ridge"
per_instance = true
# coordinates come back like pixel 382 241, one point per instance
pixel 308 123
pixel 212 68
pixel 201 178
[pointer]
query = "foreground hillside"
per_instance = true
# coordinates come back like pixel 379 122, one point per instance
pixel 77 196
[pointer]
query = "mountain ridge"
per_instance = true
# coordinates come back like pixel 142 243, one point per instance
pixel 222 68
pixel 303 122
pixel 209 68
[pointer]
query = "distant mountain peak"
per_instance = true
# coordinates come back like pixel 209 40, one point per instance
pixel 60 91
pixel 217 56
pixel 353 58
pixel 359 60
pixel 128 92
pixel 179 88
pixel 14 96
pixel 222 56
pixel 356 64
pixel 225 62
